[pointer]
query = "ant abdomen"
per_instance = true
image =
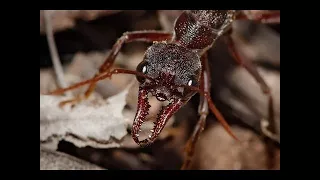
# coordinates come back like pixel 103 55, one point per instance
pixel 198 29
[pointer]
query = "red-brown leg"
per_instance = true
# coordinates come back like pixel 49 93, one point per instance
pixel 99 77
pixel 190 146
pixel 203 112
pixel 262 16
pixel 205 104
pixel 264 87
pixel 144 36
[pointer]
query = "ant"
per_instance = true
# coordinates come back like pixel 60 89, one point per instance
pixel 175 68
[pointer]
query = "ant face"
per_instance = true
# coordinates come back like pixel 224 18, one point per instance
pixel 173 69
pixel 171 66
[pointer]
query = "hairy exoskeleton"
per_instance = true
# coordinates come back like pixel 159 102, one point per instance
pixel 175 68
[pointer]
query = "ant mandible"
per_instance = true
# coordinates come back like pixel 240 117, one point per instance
pixel 175 68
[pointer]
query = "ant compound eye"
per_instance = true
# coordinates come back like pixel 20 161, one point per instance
pixel 192 82
pixel 142 68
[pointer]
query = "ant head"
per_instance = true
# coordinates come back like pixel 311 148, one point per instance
pixel 171 66
pixel 173 69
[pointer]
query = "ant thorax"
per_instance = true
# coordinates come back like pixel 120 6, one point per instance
pixel 198 29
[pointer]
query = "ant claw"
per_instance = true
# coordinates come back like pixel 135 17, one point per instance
pixel 264 128
pixel 62 104
pixel 73 106
pixel 72 103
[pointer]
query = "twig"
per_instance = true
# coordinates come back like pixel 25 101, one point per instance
pixel 54 52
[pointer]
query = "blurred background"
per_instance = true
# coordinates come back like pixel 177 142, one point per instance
pixel 83 39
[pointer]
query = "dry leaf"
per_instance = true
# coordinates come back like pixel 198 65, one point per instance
pixel 98 124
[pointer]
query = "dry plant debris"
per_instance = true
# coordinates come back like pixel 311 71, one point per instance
pixel 64 19
pixel 97 123
pixel 217 150
pixel 53 160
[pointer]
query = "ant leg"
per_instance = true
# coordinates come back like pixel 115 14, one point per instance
pixel 203 112
pixel 262 16
pixel 99 77
pixel 269 131
pixel 144 36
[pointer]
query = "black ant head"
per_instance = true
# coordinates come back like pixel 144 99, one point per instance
pixel 173 69
pixel 171 66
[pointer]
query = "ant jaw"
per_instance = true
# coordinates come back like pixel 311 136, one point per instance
pixel 143 110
